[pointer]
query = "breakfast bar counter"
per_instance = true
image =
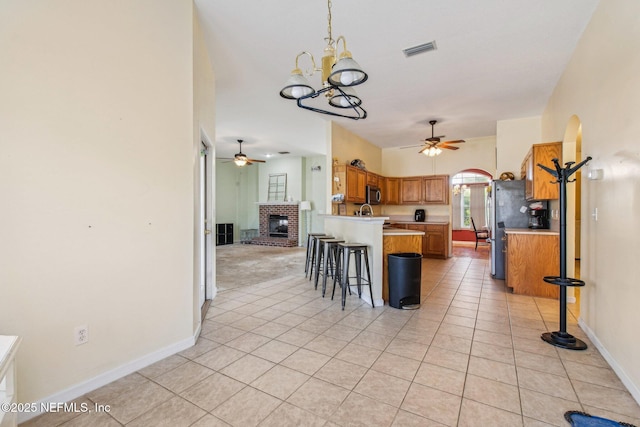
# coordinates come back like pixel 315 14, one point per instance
pixel 369 230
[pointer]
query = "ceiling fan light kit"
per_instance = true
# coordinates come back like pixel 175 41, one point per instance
pixel 339 74
pixel 241 159
pixel 434 145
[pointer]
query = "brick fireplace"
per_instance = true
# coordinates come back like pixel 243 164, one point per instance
pixel 289 210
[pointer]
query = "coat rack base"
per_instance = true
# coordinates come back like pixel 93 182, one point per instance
pixel 564 340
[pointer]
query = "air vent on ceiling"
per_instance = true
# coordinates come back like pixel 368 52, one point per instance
pixel 421 48
pixel 283 152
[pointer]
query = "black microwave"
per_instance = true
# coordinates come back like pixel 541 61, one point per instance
pixel 373 195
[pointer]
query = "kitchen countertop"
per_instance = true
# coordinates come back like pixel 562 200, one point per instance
pixel 421 222
pixel 530 231
pixel 401 232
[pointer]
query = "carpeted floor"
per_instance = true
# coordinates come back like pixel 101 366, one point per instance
pixel 241 265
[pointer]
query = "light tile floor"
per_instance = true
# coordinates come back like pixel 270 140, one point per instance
pixel 276 353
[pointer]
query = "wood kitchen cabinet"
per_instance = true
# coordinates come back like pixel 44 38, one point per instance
pixel 435 243
pixel 351 182
pixel 373 179
pixel 391 191
pixel 529 257
pixel 411 190
pixel 539 183
pixel 435 239
pixel 436 189
pixel 421 190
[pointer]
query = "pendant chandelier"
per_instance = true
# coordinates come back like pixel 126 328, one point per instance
pixel 339 74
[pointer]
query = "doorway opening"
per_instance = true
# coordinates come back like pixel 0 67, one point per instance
pixel 469 200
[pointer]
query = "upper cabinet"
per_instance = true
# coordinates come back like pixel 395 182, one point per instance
pixel 540 185
pixel 350 181
pixel 414 190
pixel 421 190
pixel 436 189
pixel 391 191
pixel 373 179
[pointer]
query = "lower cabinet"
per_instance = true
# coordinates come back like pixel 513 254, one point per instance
pixel 224 234
pixel 435 240
pixel 530 257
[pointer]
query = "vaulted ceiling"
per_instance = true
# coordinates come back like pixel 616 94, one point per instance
pixel 495 60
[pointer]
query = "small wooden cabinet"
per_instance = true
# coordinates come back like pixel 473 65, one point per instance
pixel 411 190
pixel 435 239
pixel 435 243
pixel 539 184
pixel 424 190
pixel 351 182
pixel 356 185
pixel 391 191
pixel 529 257
pixel 436 189
pixel 373 179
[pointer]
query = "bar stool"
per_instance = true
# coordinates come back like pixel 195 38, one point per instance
pixel 317 253
pixel 328 261
pixel 311 250
pixel 345 250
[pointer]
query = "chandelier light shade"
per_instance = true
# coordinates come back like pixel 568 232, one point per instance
pixel 297 86
pixel 339 74
pixel 345 97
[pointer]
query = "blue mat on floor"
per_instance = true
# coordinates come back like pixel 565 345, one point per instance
pixel 581 419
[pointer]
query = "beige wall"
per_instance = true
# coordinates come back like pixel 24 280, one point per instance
pixel 601 86
pixel 514 138
pixel 98 153
pixel 346 146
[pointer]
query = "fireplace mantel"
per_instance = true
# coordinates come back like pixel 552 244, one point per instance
pixel 276 203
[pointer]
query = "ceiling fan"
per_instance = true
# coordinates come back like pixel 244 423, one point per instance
pixel 434 144
pixel 241 159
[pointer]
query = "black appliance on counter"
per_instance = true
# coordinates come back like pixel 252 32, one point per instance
pixel 538 219
pixel 420 215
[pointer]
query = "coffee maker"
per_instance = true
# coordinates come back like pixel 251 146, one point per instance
pixel 538 218
pixel 419 215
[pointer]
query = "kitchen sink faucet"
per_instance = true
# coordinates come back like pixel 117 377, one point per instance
pixel 370 209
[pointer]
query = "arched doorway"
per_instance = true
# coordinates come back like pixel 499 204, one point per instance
pixel 572 152
pixel 469 199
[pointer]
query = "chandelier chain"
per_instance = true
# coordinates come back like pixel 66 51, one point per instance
pixel 330 38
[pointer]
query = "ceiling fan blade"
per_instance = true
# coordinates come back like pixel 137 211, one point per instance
pixel 411 146
pixel 449 147
pixel 255 161
pixel 425 149
pixel 457 141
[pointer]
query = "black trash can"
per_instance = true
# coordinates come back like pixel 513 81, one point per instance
pixel 405 271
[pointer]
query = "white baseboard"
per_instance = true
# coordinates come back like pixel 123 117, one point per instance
pixel 94 383
pixel 634 389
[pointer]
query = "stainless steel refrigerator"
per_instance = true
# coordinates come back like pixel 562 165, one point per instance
pixel 508 209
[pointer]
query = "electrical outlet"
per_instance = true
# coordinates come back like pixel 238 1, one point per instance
pixel 81 334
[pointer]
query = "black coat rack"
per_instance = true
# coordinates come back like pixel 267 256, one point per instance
pixel 562 338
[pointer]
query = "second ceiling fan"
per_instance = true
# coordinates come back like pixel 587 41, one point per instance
pixel 241 159
pixel 434 144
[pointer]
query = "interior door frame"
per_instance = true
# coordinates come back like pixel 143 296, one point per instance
pixel 206 227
